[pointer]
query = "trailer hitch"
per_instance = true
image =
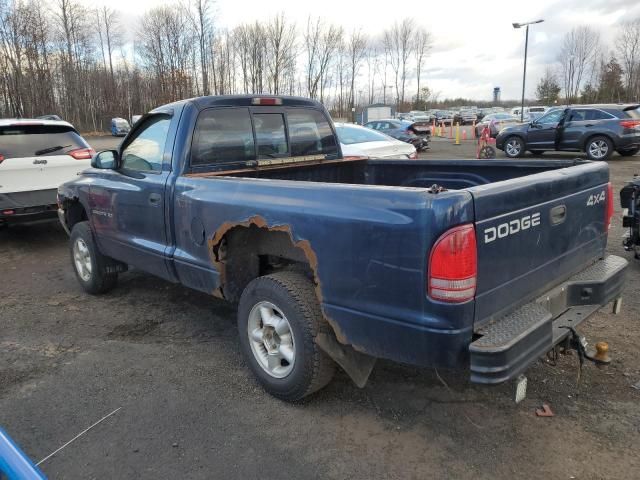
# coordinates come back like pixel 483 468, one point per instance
pixel 579 344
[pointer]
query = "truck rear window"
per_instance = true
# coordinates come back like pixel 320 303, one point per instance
pixel 18 141
pixel 224 137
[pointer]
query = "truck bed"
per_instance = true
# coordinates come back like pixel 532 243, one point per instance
pixel 450 174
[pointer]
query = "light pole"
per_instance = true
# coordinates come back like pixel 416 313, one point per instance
pixel 526 45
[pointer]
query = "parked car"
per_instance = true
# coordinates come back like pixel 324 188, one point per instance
pixel 35 157
pixel 444 116
pixel 357 141
pixel 529 112
pixel 119 127
pixel 597 130
pixel 415 133
pixel 465 117
pixel 338 262
pixel 495 122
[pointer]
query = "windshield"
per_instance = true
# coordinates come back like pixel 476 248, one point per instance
pixel 350 134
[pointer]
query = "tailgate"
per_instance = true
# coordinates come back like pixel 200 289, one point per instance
pixel 534 232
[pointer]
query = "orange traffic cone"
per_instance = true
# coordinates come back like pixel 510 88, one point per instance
pixel 473 130
pixel 464 134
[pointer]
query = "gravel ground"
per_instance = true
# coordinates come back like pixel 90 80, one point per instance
pixel 169 358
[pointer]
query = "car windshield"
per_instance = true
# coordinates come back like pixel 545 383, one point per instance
pixel 351 134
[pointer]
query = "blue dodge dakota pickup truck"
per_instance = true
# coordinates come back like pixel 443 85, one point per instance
pixel 338 261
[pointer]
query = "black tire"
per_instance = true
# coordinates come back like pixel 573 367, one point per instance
pixel 98 280
pixel 629 152
pixel 294 295
pixel 517 147
pixel 601 144
pixel 537 152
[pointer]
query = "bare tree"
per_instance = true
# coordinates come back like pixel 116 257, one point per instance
pixel 281 37
pixel 578 58
pixel 398 43
pixel 320 43
pixel 422 42
pixel 357 48
pixel 628 48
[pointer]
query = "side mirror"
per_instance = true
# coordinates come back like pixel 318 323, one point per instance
pixel 105 159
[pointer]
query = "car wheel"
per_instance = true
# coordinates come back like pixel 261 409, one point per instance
pixel 88 263
pixel 537 152
pixel 513 147
pixel 629 152
pixel 279 318
pixel 599 148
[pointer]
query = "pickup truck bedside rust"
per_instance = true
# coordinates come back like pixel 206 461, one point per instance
pixel 453 263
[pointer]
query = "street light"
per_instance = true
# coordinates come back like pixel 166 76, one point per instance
pixel 526 44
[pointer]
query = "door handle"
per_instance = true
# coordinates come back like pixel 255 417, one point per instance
pixel 589 125
pixel 154 199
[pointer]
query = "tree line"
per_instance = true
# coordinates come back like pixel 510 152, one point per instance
pixel 62 57
pixel 588 71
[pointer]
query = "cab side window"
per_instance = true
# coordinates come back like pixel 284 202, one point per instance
pixel 145 152
pixel 223 136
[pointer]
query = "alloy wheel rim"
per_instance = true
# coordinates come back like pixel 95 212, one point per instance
pixel 598 149
pixel 513 147
pixel 82 259
pixel 271 339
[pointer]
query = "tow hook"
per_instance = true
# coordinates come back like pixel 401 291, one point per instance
pixel 579 344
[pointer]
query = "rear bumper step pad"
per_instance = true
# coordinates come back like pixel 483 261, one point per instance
pixel 508 345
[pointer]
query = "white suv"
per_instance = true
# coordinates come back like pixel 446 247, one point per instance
pixel 35 157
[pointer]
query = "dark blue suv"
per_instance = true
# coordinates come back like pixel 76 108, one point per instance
pixel 597 130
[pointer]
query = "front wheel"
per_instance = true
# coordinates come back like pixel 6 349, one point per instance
pixel 629 152
pixel 513 147
pixel 279 318
pixel 599 148
pixel 88 263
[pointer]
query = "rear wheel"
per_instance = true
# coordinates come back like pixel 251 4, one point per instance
pixel 598 148
pixel 629 152
pixel 279 318
pixel 513 147
pixel 88 263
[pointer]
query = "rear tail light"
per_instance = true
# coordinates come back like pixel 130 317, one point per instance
pixel 631 124
pixel 609 210
pixel 82 153
pixel 453 266
pixel 1 158
pixel 413 156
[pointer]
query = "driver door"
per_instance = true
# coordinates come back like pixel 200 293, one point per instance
pixel 542 133
pixel 128 204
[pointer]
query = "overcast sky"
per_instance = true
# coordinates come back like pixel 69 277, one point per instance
pixel 475 48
